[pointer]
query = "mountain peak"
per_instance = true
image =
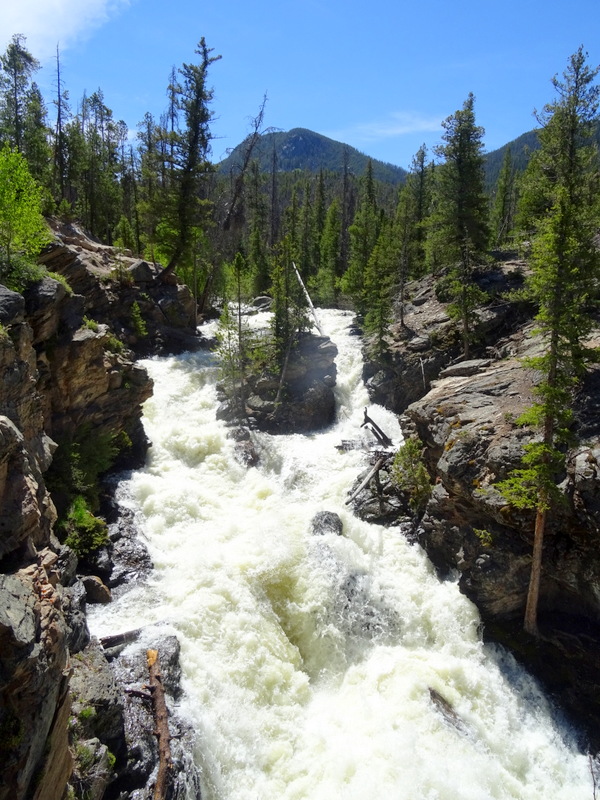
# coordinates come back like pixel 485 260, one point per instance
pixel 301 148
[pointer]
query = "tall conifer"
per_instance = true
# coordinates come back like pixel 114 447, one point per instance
pixel 459 225
pixel 565 263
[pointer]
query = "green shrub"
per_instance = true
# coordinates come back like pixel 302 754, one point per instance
pixel 77 465
pixel 484 536
pixel 87 712
pixel 19 273
pixel 113 345
pixel 124 234
pixel 121 441
pixel 62 280
pixel 410 475
pixel 121 275
pixel 139 325
pixel 85 532
pixel 85 757
pixel 65 211
pixel 91 324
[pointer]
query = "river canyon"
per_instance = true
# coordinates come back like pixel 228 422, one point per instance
pixel 319 666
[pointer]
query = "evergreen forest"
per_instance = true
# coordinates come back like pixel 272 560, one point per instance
pixel 357 231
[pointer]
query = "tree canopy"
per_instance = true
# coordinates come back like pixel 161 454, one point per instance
pixel 23 230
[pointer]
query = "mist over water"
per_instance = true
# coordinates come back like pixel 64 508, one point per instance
pixel 309 661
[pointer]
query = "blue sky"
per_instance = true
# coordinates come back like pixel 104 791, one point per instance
pixel 379 75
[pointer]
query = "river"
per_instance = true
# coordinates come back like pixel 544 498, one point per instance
pixel 309 661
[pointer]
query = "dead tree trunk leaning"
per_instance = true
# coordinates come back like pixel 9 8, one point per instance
pixel 161 720
pixel 308 300
pixel 383 439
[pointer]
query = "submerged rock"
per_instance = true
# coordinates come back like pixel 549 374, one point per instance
pixel 326 522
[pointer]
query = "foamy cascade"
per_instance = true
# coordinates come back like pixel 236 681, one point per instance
pixel 308 660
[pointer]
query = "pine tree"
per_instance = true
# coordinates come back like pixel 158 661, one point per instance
pixel 364 233
pixel 274 201
pixel 320 212
pixel 190 157
pixel 325 284
pixel 289 303
pixel 258 255
pixel 409 225
pixel 36 137
pixel 17 66
pixel 378 287
pixel 150 185
pixel 94 175
pixel 565 263
pixel 459 225
pixel 59 155
pixel 306 247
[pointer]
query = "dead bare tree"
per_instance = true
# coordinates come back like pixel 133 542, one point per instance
pixel 248 147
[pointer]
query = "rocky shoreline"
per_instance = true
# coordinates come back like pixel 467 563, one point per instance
pixel 465 415
pixel 67 363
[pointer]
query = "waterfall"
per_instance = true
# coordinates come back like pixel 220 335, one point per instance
pixel 320 667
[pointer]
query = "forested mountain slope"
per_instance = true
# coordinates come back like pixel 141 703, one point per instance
pixel 302 149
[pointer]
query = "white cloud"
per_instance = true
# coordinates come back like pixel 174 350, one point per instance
pixel 397 124
pixel 47 23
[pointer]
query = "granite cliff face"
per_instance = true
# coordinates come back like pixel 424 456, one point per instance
pixel 464 413
pixel 63 368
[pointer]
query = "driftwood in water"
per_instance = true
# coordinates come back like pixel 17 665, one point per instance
pixel 349 444
pixel 374 471
pixel 447 710
pixel 383 439
pixel 161 720
pixel 119 638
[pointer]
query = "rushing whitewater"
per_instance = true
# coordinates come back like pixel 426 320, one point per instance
pixel 309 660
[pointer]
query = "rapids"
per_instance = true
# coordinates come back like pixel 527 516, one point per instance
pixel 309 661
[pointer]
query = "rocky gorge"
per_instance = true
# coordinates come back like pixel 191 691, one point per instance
pixel 69 374
pixel 71 388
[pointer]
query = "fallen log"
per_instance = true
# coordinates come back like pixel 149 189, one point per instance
pixel 138 693
pixel 119 638
pixel 374 471
pixel 161 720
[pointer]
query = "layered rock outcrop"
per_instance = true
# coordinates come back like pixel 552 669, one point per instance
pixel 65 373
